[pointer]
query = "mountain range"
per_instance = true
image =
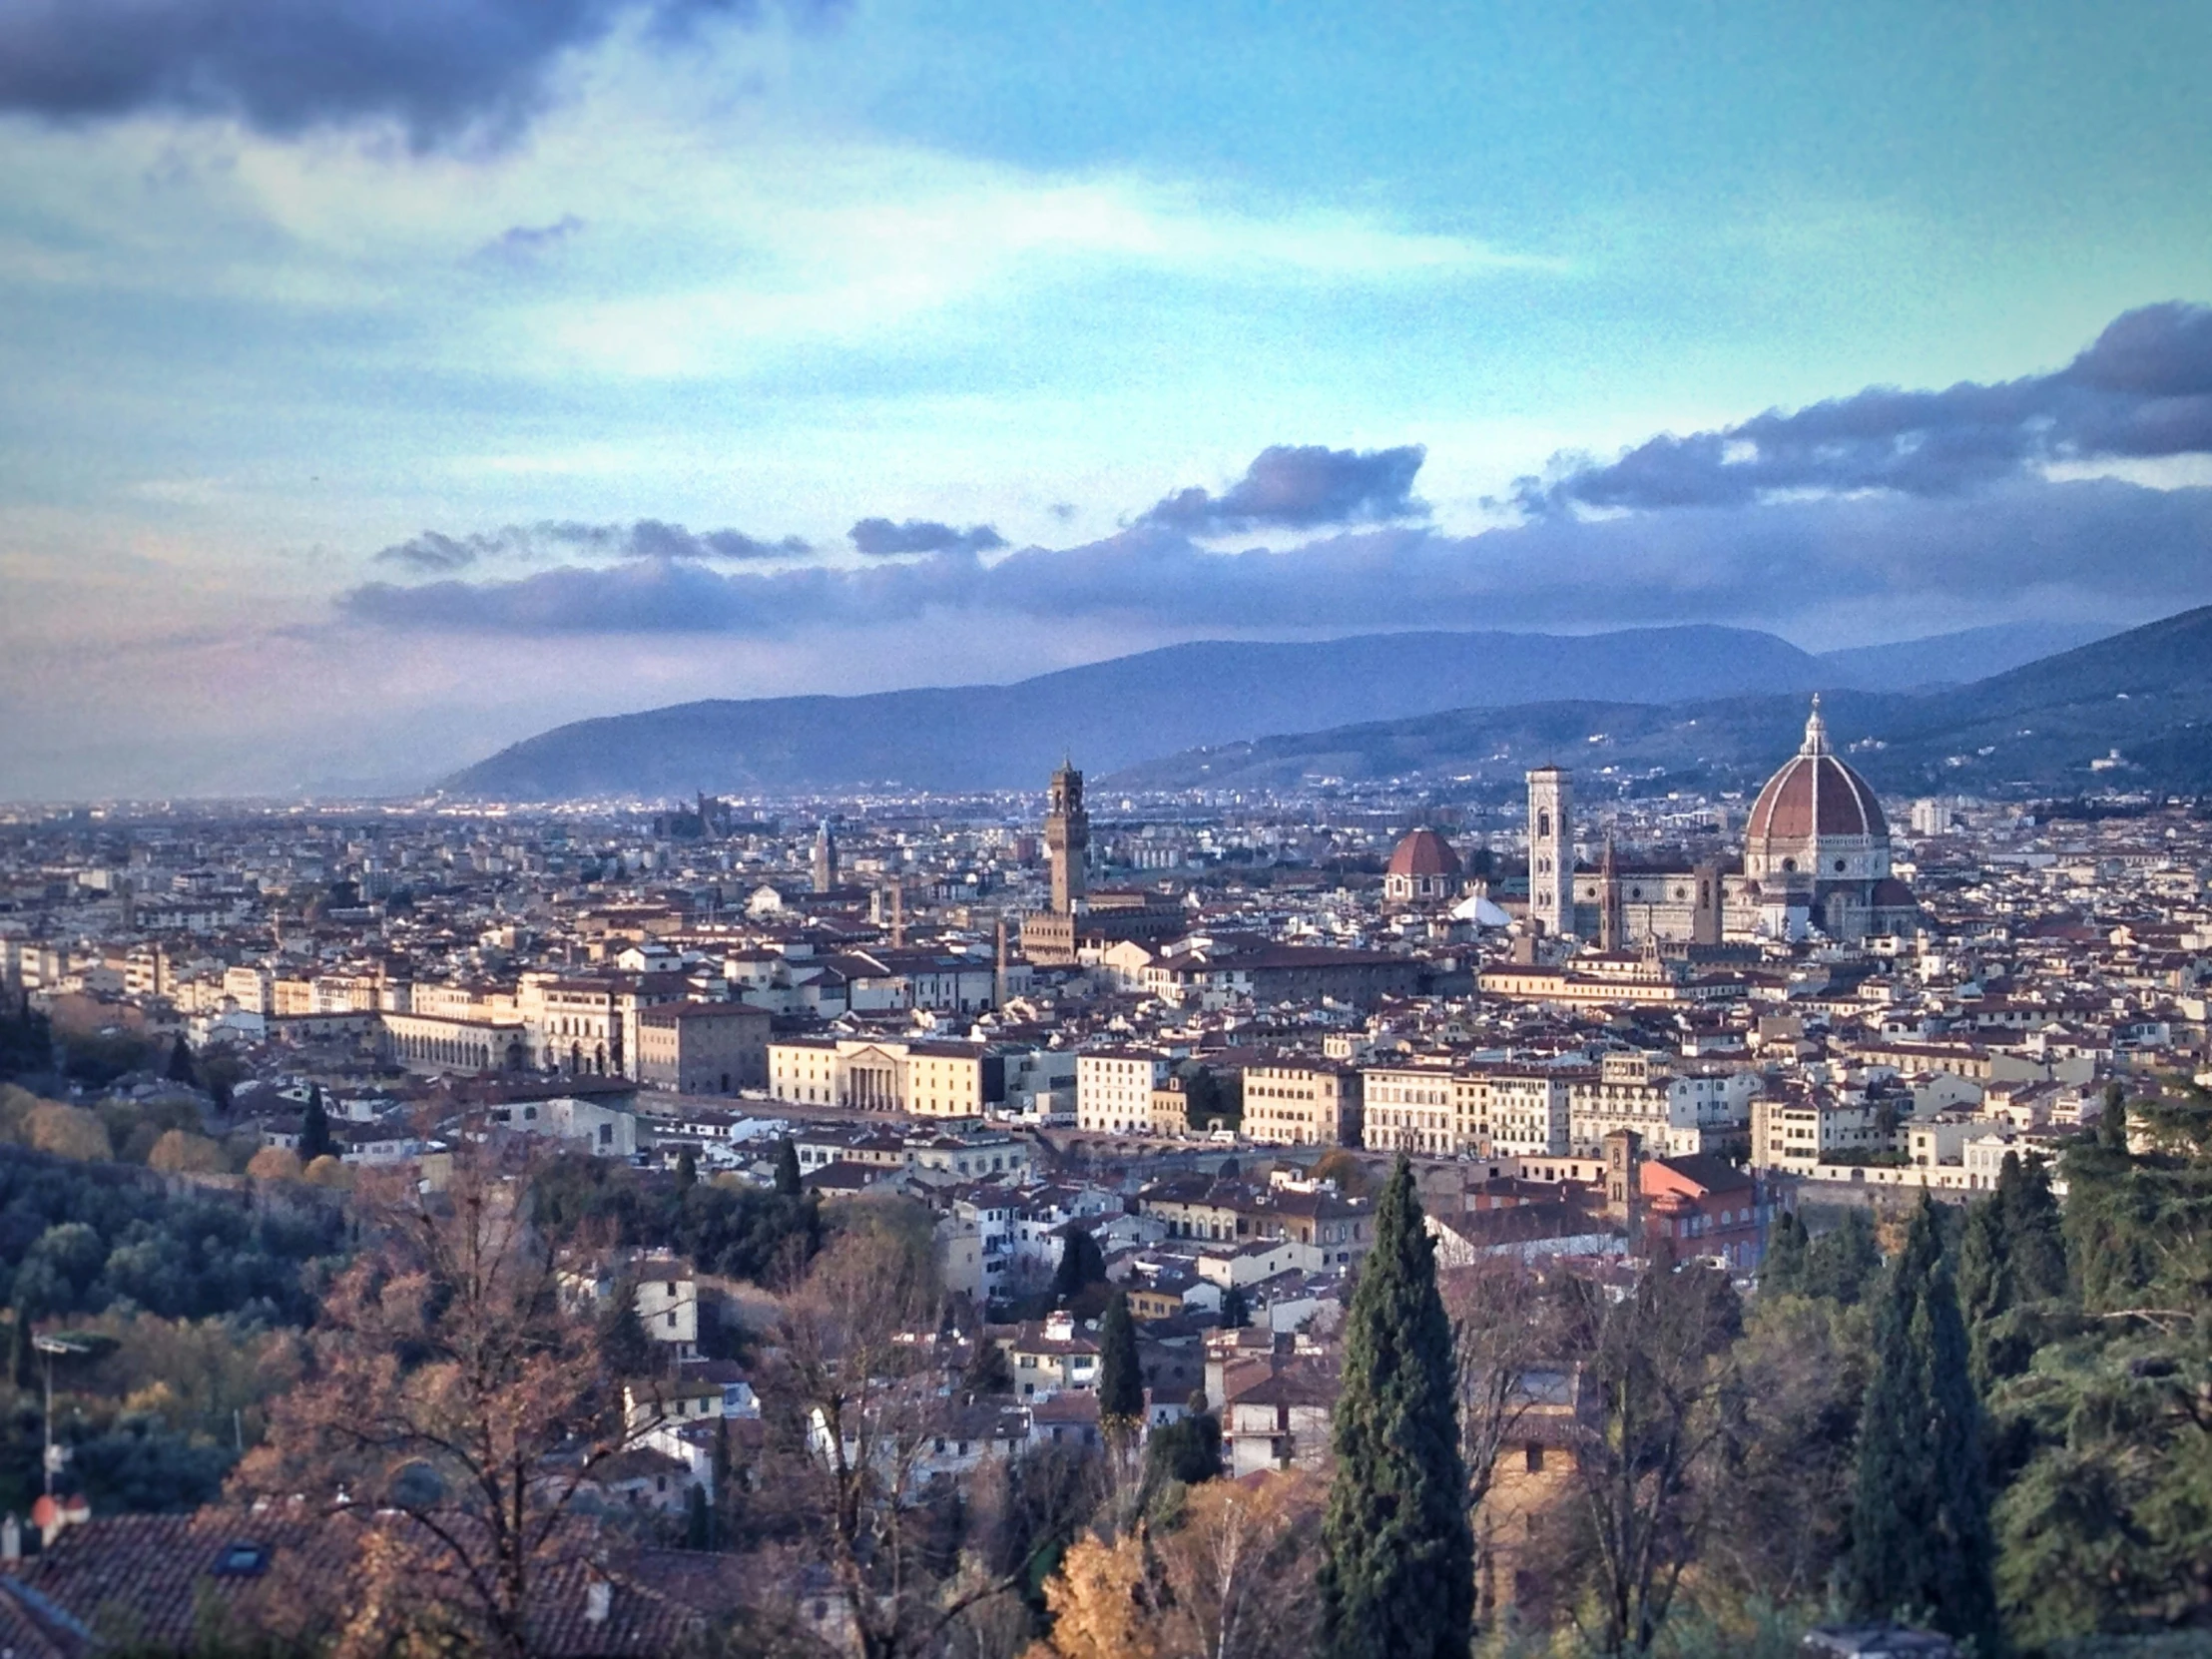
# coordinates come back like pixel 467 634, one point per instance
pixel 1123 715
pixel 2131 712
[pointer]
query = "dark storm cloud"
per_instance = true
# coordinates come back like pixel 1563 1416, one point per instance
pixel 440 68
pixel 879 536
pixel 1303 487
pixel 2119 544
pixel 433 552
pixel 2142 390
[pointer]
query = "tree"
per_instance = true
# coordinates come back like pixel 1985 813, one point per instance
pixel 1920 1537
pixel 180 1066
pixel 1082 1264
pixel 1120 1380
pixel 1397 1570
pixel 179 1152
pixel 70 1132
pixel 1236 1310
pixel 273 1163
pixel 625 1347
pixel 2112 1126
pixel 1664 1407
pixel 1782 1271
pixel 788 1184
pixel 1499 1333
pixel 1187 1449
pixel 315 1128
pixel 856 1407
pixel 687 1170
pixel 1237 1569
pixel 1842 1263
pixel 455 1410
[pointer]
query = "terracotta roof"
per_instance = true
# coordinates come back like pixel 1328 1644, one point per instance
pixel 158 1575
pixel 1815 794
pixel 1425 853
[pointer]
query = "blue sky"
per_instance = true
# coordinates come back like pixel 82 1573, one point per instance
pixel 361 354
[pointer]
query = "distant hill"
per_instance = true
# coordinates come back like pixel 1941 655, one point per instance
pixel 1956 659
pixel 2144 694
pixel 1114 713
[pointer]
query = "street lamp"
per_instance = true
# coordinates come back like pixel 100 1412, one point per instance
pixel 49 1346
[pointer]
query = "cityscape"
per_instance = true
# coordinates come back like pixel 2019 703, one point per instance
pixel 840 831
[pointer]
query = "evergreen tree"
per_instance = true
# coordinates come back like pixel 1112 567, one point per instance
pixel 687 1170
pixel 1082 1264
pixel 697 1526
pixel 2112 1126
pixel 1120 1380
pixel 315 1128
pixel 22 1361
pixel 2035 1232
pixel 1782 1271
pixel 625 1347
pixel 1842 1263
pixel 1236 1311
pixel 786 1168
pixel 1921 1544
pixel 1397 1571
pixel 1187 1449
pixel 180 1068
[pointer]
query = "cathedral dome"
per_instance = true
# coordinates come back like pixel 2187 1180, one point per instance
pixel 1423 852
pixel 1814 796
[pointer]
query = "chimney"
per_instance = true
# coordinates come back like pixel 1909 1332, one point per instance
pixel 11 1538
pixel 599 1600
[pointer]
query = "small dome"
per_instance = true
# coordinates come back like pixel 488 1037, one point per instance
pixel 1815 794
pixel 1425 853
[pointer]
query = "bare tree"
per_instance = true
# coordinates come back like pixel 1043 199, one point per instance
pixel 454 1411
pixel 1502 1330
pixel 861 1405
pixel 1238 1570
pixel 1665 1414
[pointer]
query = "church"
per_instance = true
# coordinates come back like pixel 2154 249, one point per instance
pixel 1816 857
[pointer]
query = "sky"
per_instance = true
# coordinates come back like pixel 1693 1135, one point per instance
pixel 384 381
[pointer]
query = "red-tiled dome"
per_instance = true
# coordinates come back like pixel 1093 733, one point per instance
pixel 1815 794
pixel 1425 853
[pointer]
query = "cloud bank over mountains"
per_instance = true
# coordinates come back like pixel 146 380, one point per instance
pixel 1929 500
pixel 2142 390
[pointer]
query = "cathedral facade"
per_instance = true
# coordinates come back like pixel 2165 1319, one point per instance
pixel 1815 857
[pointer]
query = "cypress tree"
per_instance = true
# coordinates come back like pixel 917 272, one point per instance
pixel 181 1068
pixel 2036 1236
pixel 698 1530
pixel 1397 1568
pixel 687 1170
pixel 786 1168
pixel 22 1365
pixel 1120 1380
pixel 1985 1280
pixel 1920 1540
pixel 1082 1264
pixel 1236 1311
pixel 1782 1273
pixel 2112 1126
pixel 315 1128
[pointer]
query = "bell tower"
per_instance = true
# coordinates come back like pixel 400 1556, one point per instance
pixel 1551 848
pixel 1067 838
